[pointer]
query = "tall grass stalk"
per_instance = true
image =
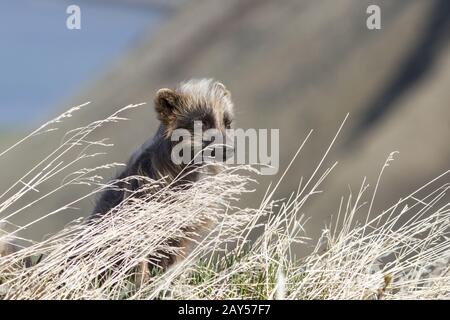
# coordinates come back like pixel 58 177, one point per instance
pixel 402 252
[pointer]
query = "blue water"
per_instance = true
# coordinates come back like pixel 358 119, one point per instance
pixel 42 62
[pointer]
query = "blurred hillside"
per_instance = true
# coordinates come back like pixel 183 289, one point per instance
pixel 293 65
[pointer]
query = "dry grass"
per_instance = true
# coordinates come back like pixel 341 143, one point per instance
pixel 400 253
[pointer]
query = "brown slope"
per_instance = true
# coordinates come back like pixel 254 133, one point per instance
pixel 293 65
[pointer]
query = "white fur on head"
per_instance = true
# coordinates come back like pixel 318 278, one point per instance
pixel 209 91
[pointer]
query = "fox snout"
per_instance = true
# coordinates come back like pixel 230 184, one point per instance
pixel 217 152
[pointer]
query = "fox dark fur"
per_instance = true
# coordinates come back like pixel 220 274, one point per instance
pixel 196 100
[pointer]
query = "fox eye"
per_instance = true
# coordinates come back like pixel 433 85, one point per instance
pixel 227 123
pixel 205 123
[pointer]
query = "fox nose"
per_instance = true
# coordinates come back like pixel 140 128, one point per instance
pixel 228 152
pixel 221 153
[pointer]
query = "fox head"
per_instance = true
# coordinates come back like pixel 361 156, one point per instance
pixel 200 103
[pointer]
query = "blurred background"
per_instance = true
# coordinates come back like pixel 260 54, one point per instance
pixel 294 65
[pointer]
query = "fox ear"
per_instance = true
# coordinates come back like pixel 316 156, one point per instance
pixel 166 102
pixel 220 87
